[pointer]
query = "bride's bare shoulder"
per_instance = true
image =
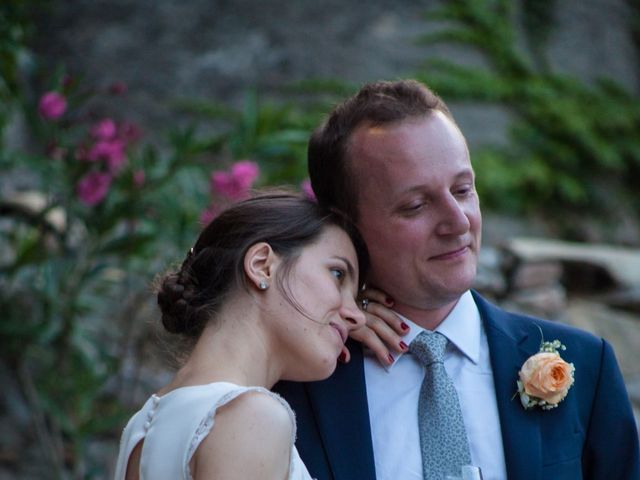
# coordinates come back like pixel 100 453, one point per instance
pixel 251 438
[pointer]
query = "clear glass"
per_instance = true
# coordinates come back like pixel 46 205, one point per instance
pixel 471 472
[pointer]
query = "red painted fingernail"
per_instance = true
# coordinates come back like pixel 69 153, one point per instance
pixel 404 326
pixel 391 359
pixel 388 301
pixel 342 357
pixel 403 346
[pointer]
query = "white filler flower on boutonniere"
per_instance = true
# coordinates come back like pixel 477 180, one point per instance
pixel 545 378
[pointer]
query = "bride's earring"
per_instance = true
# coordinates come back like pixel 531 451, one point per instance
pixel 263 285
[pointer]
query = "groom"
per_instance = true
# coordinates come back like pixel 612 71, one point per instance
pixel 393 159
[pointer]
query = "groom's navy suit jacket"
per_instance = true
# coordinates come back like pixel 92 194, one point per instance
pixel 590 435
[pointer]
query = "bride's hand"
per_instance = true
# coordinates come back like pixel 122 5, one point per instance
pixel 383 329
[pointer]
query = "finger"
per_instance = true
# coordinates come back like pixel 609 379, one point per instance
pixel 368 337
pixel 345 355
pixel 378 336
pixel 389 317
pixel 379 324
pixel 375 295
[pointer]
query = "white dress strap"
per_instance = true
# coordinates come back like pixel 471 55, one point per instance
pixel 208 421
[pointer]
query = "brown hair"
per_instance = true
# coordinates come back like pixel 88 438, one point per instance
pixel 191 296
pixel 376 103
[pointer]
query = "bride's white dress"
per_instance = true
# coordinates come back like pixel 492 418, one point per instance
pixel 173 425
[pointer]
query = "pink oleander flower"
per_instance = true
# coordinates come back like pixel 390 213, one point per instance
pixel 110 151
pixel 52 105
pixel 236 183
pixel 207 215
pixel 93 188
pixel 308 190
pixel 105 129
pixel 139 178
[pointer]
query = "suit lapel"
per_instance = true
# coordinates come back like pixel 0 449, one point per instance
pixel 509 346
pixel 341 410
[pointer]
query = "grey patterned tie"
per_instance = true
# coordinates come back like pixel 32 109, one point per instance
pixel 443 438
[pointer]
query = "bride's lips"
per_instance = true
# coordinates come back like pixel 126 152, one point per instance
pixel 341 331
pixel 451 254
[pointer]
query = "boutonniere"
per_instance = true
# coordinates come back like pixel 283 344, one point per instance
pixel 545 378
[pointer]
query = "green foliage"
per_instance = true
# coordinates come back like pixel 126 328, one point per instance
pixel 14 30
pixel 569 141
pixel 273 134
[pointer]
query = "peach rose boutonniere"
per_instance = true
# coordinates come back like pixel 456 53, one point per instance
pixel 545 378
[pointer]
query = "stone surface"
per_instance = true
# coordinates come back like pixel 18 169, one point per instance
pixel 168 49
pixel 622 265
pixel 489 280
pixel 535 274
pixel 583 48
pixel 627 299
pixel 548 301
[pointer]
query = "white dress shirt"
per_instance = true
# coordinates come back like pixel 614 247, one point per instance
pixel 393 392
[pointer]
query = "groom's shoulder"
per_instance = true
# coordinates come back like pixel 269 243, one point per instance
pixel 551 329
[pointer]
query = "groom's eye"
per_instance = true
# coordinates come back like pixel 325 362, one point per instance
pixel 412 208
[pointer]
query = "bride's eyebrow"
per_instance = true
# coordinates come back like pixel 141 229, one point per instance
pixel 351 272
pixel 346 261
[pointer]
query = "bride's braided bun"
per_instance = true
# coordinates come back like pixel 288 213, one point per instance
pixel 214 267
pixel 174 297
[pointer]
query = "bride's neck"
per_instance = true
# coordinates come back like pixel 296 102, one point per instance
pixel 235 348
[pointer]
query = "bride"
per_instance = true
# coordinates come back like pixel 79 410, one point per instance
pixel 266 294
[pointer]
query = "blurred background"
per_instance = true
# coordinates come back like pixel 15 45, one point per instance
pixel 127 124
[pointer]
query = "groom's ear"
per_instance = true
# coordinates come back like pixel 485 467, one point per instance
pixel 260 263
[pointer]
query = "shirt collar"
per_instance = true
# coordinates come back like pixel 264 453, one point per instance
pixel 461 327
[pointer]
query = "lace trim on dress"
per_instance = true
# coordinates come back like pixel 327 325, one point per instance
pixel 207 422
